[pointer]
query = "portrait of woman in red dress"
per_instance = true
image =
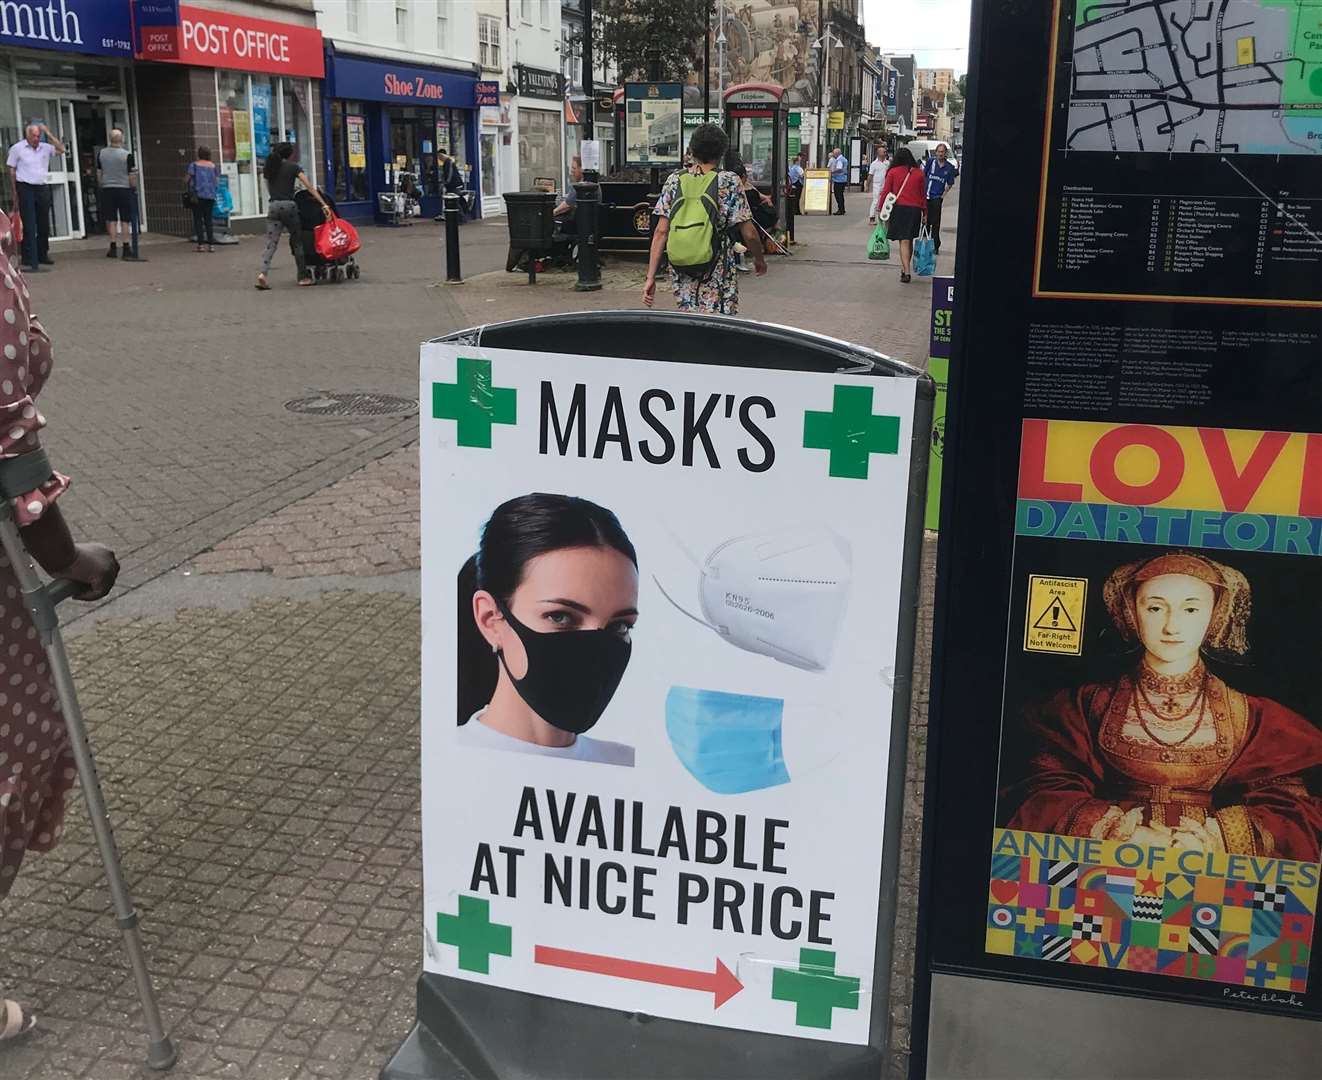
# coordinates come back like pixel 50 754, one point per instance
pixel 1169 753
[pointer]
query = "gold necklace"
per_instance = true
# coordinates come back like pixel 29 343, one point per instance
pixel 1200 701
pixel 1169 714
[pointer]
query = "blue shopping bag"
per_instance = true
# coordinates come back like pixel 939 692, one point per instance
pixel 924 253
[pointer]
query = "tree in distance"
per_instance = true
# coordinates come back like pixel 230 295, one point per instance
pixel 633 33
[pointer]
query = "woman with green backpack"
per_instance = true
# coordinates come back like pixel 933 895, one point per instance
pixel 697 208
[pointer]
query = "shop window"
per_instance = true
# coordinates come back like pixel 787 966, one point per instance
pixel 351 10
pixel 488 41
pixel 546 12
pixel 442 25
pixel 456 138
pixel 11 127
pixel 237 162
pixel 265 129
pixel 296 116
pixel 525 11
pixel 488 165
pixel 539 147
pixel 349 150
pixel 402 21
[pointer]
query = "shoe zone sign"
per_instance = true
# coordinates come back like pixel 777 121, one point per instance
pixel 660 618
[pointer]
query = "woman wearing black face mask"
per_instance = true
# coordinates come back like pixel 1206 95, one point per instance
pixel 546 607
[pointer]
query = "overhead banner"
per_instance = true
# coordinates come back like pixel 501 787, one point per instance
pixel 1125 788
pixel 660 623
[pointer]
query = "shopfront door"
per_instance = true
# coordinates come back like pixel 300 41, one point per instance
pixel 64 181
pixel 490 179
pixel 93 122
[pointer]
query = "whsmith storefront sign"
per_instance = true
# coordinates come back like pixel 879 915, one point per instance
pixel 83 26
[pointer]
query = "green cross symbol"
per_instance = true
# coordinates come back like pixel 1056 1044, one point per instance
pixel 851 432
pixel 815 988
pixel 472 402
pixel 475 935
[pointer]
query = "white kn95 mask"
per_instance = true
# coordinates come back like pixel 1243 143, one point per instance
pixel 781 594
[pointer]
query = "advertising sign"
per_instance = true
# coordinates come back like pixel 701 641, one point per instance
pixel 1131 515
pixel 892 93
pixel 82 26
pixel 377 80
pixel 590 155
pixel 938 366
pixel 261 119
pixel 242 135
pixel 156 26
pixel 660 609
pixel 835 120
pixel 356 129
pixel 486 93
pixel 539 83
pixel 653 116
pixel 223 40
pixel 816 197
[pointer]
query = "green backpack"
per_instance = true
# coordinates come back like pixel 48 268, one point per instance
pixel 694 242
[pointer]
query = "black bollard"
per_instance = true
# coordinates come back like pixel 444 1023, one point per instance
pixel 133 255
pixel 587 213
pixel 452 273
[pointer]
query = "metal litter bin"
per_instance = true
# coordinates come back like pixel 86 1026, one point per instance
pixel 532 225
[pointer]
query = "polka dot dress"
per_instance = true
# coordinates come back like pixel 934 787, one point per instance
pixel 36 763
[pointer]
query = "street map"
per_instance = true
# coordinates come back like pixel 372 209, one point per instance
pixel 1196 76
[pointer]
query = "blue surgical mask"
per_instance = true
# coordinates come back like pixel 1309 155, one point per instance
pixel 729 742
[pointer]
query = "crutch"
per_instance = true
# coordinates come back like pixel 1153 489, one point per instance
pixel 17 476
pixel 781 249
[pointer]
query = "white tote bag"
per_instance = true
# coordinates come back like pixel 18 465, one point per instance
pixel 889 203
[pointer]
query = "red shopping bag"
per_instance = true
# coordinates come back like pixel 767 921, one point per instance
pixel 16 226
pixel 335 239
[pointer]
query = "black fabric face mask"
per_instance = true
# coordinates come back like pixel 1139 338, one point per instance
pixel 572 674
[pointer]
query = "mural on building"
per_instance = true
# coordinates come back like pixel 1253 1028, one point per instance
pixel 768 41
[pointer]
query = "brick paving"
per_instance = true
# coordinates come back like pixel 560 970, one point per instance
pixel 261 763
pixel 272 846
pixel 365 524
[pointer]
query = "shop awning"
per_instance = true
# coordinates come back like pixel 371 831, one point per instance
pixel 571 117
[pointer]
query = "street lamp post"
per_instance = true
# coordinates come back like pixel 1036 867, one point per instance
pixel 720 52
pixel 823 81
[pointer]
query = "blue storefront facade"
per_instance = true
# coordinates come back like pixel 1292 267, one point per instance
pixel 384 123
pixel 67 64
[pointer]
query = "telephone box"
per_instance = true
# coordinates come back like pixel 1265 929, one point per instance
pixel 757 122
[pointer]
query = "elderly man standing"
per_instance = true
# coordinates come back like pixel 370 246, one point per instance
pixel 839 166
pixel 117 176
pixel 29 165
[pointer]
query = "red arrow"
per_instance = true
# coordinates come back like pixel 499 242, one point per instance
pixel 722 982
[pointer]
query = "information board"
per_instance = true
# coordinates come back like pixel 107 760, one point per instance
pixel 653 118
pixel 1125 780
pixel 816 197
pixel 660 622
pixel 1194 174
